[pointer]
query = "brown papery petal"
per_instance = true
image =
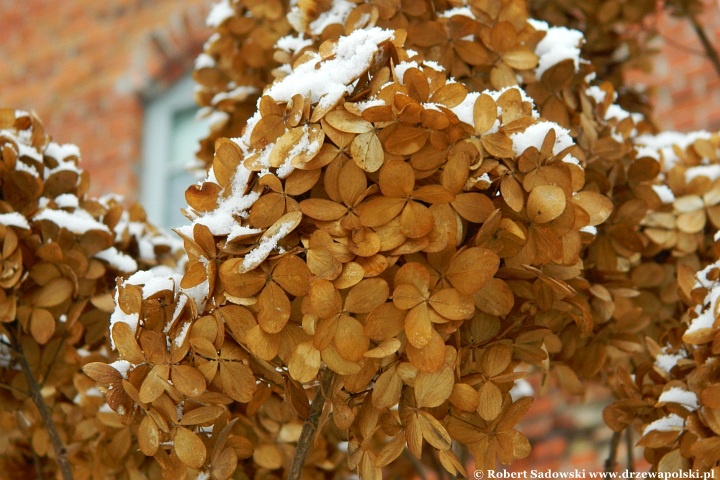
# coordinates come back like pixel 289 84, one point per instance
pixel 240 284
pixel 496 359
pixel 379 211
pixel 598 206
pixel 366 295
pixel 471 269
pixel 484 113
pixel 545 203
pixel 384 322
pixel 188 380
pixel 304 363
pixel 397 179
pixel 350 340
pixel 189 448
pixel 238 381
pixel 406 140
pixel 347 122
pixel 429 358
pixel 324 300
pixel 418 326
pixel 451 304
pixel 367 152
pixel 154 384
pixel 292 274
pixel 416 220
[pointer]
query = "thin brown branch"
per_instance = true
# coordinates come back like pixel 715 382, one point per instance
pixel 461 451
pixel 417 465
pixel 38 465
pixel 682 47
pixel 710 51
pixel 54 359
pixel 611 461
pixel 310 426
pixel 13 389
pixel 440 471
pixel 629 453
pixel 39 401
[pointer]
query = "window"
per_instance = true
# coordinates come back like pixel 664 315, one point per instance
pixel 171 136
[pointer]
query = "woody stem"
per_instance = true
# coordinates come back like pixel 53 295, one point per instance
pixel 611 461
pixel 710 51
pixel 310 426
pixel 39 401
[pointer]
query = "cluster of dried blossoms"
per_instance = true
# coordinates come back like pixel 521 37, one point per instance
pixel 429 199
pixel 236 65
pixel 619 35
pixel 61 252
pixel 670 395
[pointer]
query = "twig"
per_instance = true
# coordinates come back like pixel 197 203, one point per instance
pixel 13 389
pixel 629 453
pixel 442 474
pixel 310 426
pixel 54 358
pixel 462 453
pixel 38 465
pixel 37 398
pixel 419 469
pixel 710 51
pixel 682 47
pixel 611 461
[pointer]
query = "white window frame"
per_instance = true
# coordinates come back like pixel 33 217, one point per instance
pixel 156 147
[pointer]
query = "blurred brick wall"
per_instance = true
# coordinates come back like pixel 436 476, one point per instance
pixel 687 87
pixel 567 434
pixel 84 65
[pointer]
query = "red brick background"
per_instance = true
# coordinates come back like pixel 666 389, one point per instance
pixel 84 66
pixel 687 88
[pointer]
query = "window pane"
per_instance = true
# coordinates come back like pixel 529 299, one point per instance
pixel 185 134
pixel 175 198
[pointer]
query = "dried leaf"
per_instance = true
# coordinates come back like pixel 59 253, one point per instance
pixel 42 325
pixel 189 448
pixel 545 203
pixel 433 431
pixel 273 308
pixel 367 152
pixel 154 384
pixel 53 293
pixel 388 387
pixel 432 389
pixel 148 437
pixel 238 381
pixel 471 269
pixel 188 380
pixel 102 373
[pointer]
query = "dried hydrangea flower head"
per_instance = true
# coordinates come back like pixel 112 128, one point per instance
pixel 236 64
pixel 671 399
pixel 425 200
pixel 383 228
pixel 61 252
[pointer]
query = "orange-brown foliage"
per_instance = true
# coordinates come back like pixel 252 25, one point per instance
pixel 409 205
